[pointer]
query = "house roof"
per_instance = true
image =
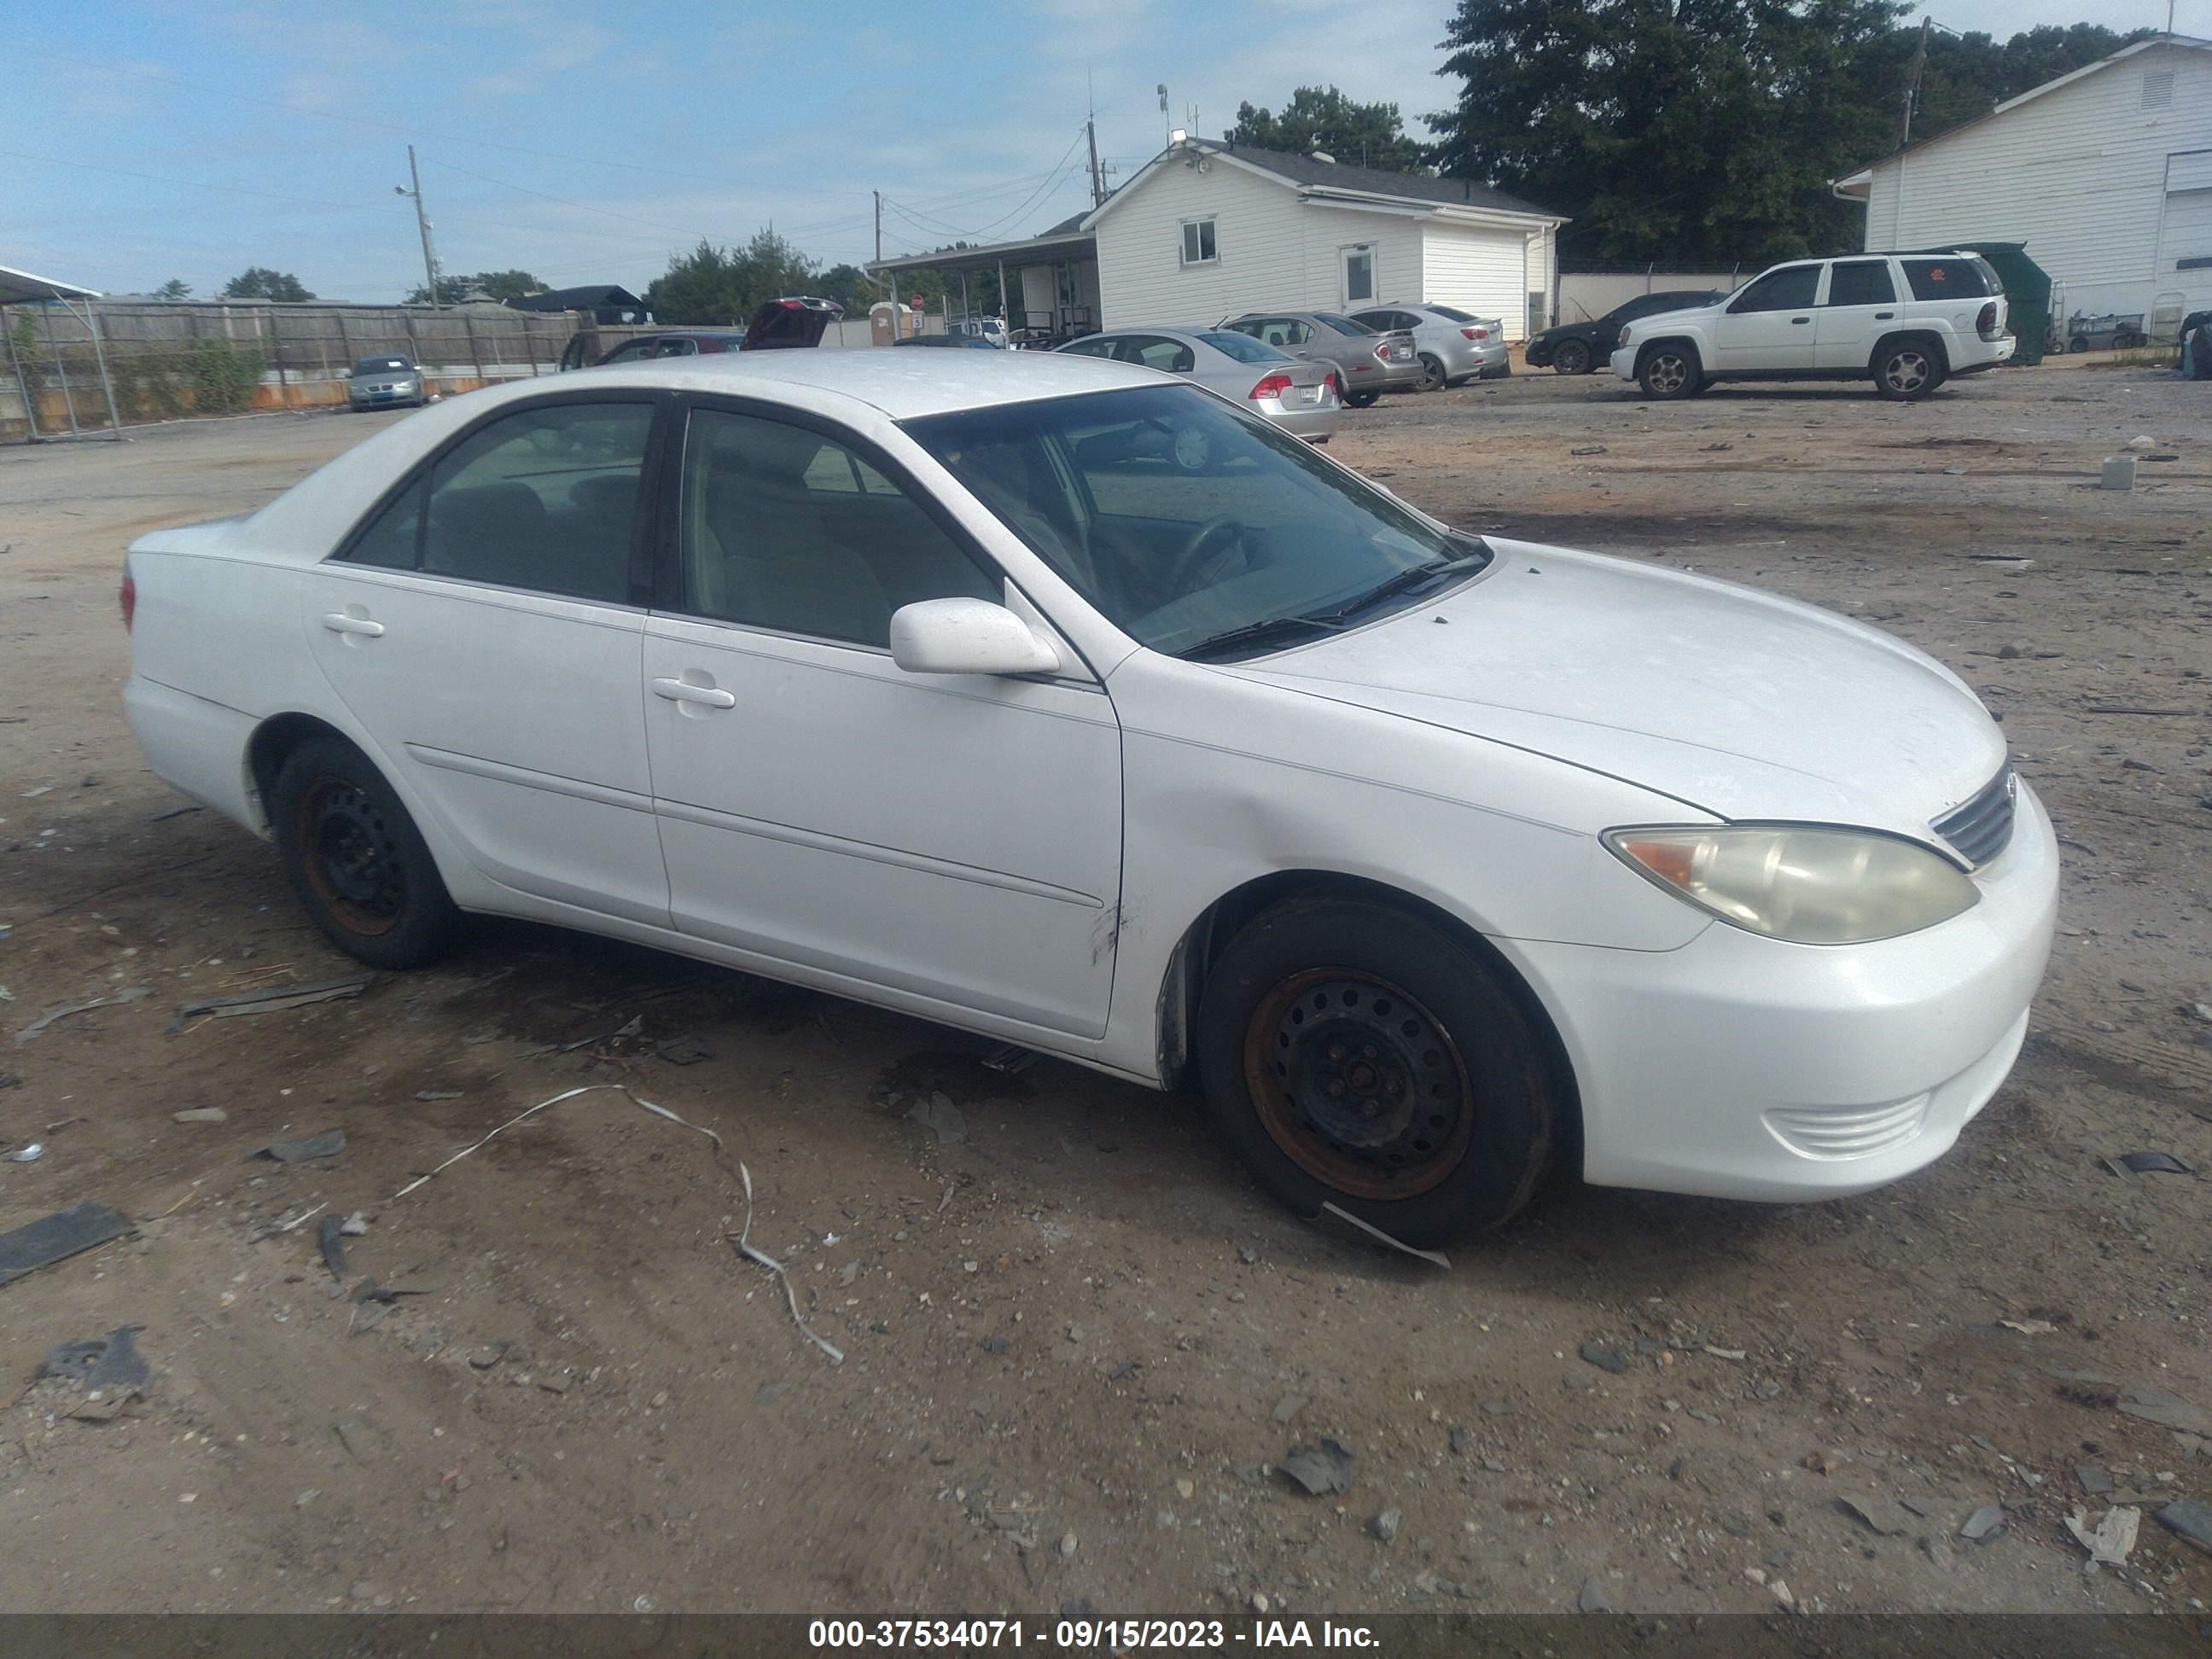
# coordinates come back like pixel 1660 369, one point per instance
pixel 591 297
pixel 1342 184
pixel 1854 184
pixel 1065 241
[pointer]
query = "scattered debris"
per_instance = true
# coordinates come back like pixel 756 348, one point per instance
pixel 200 1114
pixel 1877 1515
pixel 683 1050
pixel 1607 1357
pixel 1386 1524
pixel 939 1113
pixel 353 1225
pixel 1588 449
pixel 173 813
pixel 329 1143
pixel 329 1236
pixel 369 1291
pixel 1288 1408
pixel 2190 1520
pixel 1319 1470
pixel 2029 1326
pixel 1724 1353
pixel 105 1363
pixel 57 1237
pixel 274 1000
pixel 568 1094
pixel 2092 1478
pixel 1593 1598
pixel 747 1249
pixel 30 1154
pixel 1374 1232
pixel 2108 1544
pixel 1985 1525
pixel 2156 1164
pixel 2168 1411
pixel 136 993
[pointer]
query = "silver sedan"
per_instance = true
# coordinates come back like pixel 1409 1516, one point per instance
pixel 1303 398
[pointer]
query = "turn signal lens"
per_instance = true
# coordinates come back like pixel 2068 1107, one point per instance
pixel 126 598
pixel 1274 385
pixel 1807 884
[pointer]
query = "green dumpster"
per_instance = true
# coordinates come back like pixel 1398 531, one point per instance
pixel 2027 293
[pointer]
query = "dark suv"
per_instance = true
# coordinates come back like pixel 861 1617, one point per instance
pixel 1578 348
pixel 797 320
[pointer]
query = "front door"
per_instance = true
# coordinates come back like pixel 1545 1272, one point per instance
pixel 1769 326
pixel 1859 307
pixel 484 630
pixel 951 837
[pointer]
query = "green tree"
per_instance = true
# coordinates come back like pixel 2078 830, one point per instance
pixel 259 283
pixel 1967 76
pixel 722 285
pixel 500 285
pixel 1324 118
pixel 174 289
pixel 851 287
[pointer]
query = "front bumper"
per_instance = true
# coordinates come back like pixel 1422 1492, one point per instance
pixel 383 397
pixel 1739 1066
pixel 1624 362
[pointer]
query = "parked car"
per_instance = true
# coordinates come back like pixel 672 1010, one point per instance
pixel 1370 364
pixel 1454 346
pixel 795 321
pixel 1303 398
pixel 958 342
pixel 1906 321
pixel 385 382
pixel 934 685
pixel 1578 348
pixel 990 329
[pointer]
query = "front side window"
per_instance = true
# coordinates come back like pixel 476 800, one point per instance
pixel 787 530
pixel 1198 244
pixel 1183 519
pixel 1098 345
pixel 1345 325
pixel 1861 283
pixel 544 498
pixel 1781 290
pixel 678 348
pixel 1242 347
pixel 1280 333
pixel 1151 351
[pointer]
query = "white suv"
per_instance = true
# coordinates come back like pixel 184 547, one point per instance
pixel 1906 321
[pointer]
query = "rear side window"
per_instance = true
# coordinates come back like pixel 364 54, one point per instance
pixel 1950 279
pixel 1456 315
pixel 1153 352
pixel 1242 347
pixel 393 538
pixel 1861 283
pixel 1098 345
pixel 1343 325
pixel 1781 290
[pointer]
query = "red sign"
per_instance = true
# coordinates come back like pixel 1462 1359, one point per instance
pixel 918 303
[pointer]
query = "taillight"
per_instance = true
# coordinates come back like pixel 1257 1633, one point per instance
pixel 1328 384
pixel 1274 385
pixel 126 598
pixel 1476 333
pixel 1382 351
pixel 1986 324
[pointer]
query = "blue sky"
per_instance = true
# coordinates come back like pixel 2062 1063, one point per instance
pixel 586 143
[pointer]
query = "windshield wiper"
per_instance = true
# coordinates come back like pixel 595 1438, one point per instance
pixel 1268 631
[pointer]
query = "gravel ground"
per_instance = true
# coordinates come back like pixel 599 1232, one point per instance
pixel 1077 1341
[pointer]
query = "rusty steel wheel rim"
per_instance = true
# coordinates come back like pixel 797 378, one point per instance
pixel 1357 1084
pixel 351 857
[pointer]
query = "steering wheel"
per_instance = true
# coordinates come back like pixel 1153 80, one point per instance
pixel 1206 544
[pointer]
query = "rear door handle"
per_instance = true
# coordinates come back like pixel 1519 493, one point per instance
pixel 1801 320
pixel 1884 316
pixel 684 691
pixel 339 623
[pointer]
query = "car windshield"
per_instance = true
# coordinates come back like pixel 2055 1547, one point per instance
pixel 1197 529
pixel 383 366
pixel 1456 314
pixel 1243 347
pixel 1343 325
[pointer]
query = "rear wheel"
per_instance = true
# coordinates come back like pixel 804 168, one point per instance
pixel 1907 369
pixel 356 861
pixel 1670 371
pixel 1361 1055
pixel 1432 374
pixel 1570 357
pixel 1360 399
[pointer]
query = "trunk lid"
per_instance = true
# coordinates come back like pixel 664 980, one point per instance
pixel 795 321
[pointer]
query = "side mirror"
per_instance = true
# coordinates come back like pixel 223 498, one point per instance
pixel 968 636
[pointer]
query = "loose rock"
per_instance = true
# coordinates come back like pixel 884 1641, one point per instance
pixel 1607 1357
pixel 1385 1525
pixel 1319 1470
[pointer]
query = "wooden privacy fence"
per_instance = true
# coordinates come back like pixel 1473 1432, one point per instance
pixel 165 362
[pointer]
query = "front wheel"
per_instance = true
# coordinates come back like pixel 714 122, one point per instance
pixel 1907 370
pixel 359 866
pixel 1570 357
pixel 1361 1055
pixel 1670 371
pixel 1432 374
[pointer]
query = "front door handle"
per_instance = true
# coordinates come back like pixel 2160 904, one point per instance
pixel 340 622
pixel 1884 316
pixel 1801 320
pixel 684 691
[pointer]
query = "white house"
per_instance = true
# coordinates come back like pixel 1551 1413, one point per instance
pixel 1207 230
pixel 2106 174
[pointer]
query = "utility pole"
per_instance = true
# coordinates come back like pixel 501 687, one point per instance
pixel 1914 69
pixel 421 223
pixel 1098 184
pixel 878 195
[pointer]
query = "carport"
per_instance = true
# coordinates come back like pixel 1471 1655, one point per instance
pixel 20 288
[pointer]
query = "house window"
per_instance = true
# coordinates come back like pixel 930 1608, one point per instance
pixel 1198 244
pixel 1359 275
pixel 2158 89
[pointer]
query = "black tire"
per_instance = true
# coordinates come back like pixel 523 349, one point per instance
pixel 1570 357
pixel 1670 370
pixel 1427 1022
pixel 2079 342
pixel 356 861
pixel 1360 399
pixel 1432 374
pixel 1907 370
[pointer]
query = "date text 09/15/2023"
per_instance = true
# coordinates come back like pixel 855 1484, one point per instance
pixel 1093 1635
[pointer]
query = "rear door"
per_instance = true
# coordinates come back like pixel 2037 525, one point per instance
pixel 1858 307
pixel 1769 328
pixel 485 628
pixel 950 837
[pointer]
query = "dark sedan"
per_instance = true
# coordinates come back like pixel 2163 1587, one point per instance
pixel 1578 348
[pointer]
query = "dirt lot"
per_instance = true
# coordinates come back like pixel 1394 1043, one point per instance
pixel 1077 1339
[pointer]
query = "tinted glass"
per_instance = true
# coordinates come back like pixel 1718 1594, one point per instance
pixel 1456 314
pixel 393 538
pixel 543 499
pixel 1180 517
pixel 785 529
pixel 1950 279
pixel 1861 283
pixel 383 366
pixel 1781 290
pixel 1172 356
pixel 1243 347
pixel 1098 345
pixel 1343 325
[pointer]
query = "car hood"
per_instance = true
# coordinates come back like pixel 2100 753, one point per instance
pixel 1746 706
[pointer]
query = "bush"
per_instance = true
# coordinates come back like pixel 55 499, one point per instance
pixel 221 377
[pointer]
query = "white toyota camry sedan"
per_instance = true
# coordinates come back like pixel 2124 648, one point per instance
pixel 1437 862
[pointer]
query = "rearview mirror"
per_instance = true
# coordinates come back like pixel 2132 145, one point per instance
pixel 968 636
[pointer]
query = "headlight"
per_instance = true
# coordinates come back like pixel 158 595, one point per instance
pixel 1810 887
pixel 1622 342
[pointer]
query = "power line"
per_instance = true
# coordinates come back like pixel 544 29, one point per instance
pixel 193 183
pixel 1059 171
